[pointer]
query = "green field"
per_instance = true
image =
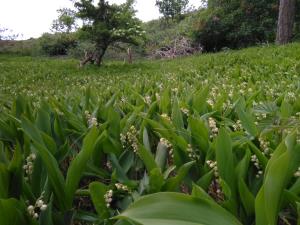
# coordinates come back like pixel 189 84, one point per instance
pixel 210 139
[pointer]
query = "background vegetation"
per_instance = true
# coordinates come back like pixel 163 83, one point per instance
pixel 220 25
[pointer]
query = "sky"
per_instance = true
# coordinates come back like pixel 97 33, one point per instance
pixel 32 18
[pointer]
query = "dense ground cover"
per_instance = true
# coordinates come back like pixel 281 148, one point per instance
pixel 79 146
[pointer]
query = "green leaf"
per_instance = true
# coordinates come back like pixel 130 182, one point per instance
pixel 16 173
pixel 224 158
pixel 247 121
pixel 165 100
pixel 156 180
pixel 55 176
pixel 279 171
pixel 199 99
pixel 4 181
pixel 298 213
pixel 147 158
pixel 286 109
pixel 146 141
pixel 199 132
pixel 173 183
pixel 177 209
pixel 161 156
pixel 12 212
pixel 260 210
pixel 177 117
pixel 247 197
pixel 97 191
pixel 78 165
pixel 200 193
pixel 43 121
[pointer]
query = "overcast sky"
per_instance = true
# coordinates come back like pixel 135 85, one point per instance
pixel 34 17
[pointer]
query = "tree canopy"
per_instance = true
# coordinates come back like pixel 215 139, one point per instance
pixel 106 24
pixel 172 8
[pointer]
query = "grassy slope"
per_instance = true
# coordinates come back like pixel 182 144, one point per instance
pixel 49 76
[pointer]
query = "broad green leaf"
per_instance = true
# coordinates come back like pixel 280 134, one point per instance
pixel 201 193
pixel 12 212
pixel 247 197
pixel 146 140
pixel 279 171
pixel 78 165
pixel 286 109
pixel 156 180
pixel 247 121
pixel 177 118
pixel 260 208
pixel 199 99
pixel 55 176
pixel 173 183
pixel 43 121
pixel 147 158
pixel 161 156
pixel 16 173
pixel 199 133
pixel 4 181
pixel 165 100
pixel 298 213
pixel 97 191
pixel 224 158
pixel 177 209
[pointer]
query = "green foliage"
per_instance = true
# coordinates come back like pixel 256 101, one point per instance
pixel 108 24
pixel 221 132
pixel 66 21
pixel 56 44
pixel 172 8
pixel 236 24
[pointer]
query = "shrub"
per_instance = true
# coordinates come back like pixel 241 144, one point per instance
pixel 57 44
pixel 236 25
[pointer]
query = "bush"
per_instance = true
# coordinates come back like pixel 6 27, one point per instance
pixel 236 24
pixel 57 44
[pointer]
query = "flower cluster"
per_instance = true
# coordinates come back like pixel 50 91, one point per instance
pixel 192 154
pixel 185 111
pixel 39 206
pixel 213 166
pixel 255 161
pixel 213 127
pixel 91 120
pixel 108 197
pixel 237 126
pixel 121 187
pixel 169 146
pixel 28 167
pixel 297 173
pixel 265 145
pixel 165 116
pixel 130 138
pixel 147 100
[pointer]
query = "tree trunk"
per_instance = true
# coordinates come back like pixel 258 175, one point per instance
pixel 99 56
pixel 285 21
pixel 129 55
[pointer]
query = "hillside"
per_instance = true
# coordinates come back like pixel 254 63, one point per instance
pixel 37 76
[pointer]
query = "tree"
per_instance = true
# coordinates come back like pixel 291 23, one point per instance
pixel 107 24
pixel 66 21
pixel 236 23
pixel 285 21
pixel 172 8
